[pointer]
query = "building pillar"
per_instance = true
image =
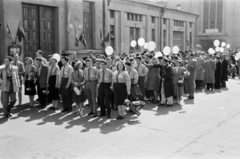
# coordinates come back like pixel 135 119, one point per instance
pixel 122 28
pixel 170 39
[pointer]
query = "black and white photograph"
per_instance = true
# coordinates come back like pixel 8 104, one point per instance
pixel 119 79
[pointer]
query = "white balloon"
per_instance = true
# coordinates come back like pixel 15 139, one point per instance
pixel 133 43
pixel 217 49
pixel 145 46
pixel 223 44
pixel 175 49
pixel 166 50
pixel 228 46
pixel 221 49
pixel 211 51
pixel 216 43
pixel 109 50
pixel 56 56
pixel 158 54
pixel 151 46
pixel 141 41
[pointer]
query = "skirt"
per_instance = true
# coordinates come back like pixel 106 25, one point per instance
pixel 30 88
pixel 79 98
pixel 120 93
pixel 135 91
pixel 53 91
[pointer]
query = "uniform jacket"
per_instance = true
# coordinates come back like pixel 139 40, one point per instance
pixel 3 78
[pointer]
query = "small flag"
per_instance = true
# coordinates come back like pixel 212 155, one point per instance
pixel 9 32
pixel 107 38
pixel 82 39
pixel 101 35
pixel 20 33
pixel 108 2
pixel 76 37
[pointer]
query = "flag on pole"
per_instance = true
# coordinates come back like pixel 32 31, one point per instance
pixel 82 39
pixel 76 37
pixel 107 38
pixel 101 35
pixel 20 33
pixel 9 32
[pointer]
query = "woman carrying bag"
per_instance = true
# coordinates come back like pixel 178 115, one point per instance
pixel 78 81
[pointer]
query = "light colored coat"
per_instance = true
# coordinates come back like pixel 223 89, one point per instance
pixel 200 70
pixel 209 67
pixel 3 78
pixel 177 74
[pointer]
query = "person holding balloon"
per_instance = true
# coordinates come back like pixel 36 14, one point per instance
pixel 54 82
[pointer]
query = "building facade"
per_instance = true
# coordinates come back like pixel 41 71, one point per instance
pixel 46 25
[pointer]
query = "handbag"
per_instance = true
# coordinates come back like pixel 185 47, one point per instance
pixel 180 82
pixel 77 91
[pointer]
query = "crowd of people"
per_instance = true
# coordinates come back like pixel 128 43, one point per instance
pixel 108 81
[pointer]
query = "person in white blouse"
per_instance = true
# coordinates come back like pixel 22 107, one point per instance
pixel 121 87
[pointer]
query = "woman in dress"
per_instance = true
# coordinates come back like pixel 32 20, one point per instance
pixel 30 73
pixel 78 81
pixel 178 76
pixel 121 87
pixel 54 83
pixel 153 79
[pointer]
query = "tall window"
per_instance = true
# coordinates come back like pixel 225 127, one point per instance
pixel 111 13
pixel 164 21
pixel 190 40
pixel 112 36
pixel 153 19
pixel 88 23
pixel 164 38
pixel 177 39
pixel 153 35
pixel 178 23
pixel 190 24
pixel 134 35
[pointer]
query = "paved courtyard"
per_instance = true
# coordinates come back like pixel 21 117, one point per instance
pixel 207 128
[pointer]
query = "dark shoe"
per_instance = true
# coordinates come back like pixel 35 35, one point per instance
pixel 64 110
pixel 55 108
pixel 161 104
pixel 122 117
pixel 51 108
pixel 91 113
pixel 69 111
pixel 118 118
pixel 169 105
pixel 101 115
pixel 109 117
pixel 190 97
pixel 94 115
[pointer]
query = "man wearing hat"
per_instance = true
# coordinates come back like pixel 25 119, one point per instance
pixel 224 71
pixel 210 67
pixel 218 73
pixel 9 85
pixel 191 67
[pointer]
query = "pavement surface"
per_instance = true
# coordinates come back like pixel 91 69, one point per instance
pixel 206 127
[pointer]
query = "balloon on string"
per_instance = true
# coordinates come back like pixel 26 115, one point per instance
pixel 228 46
pixel 151 46
pixel 133 43
pixel 175 49
pixel 158 54
pixel 237 56
pixel 217 49
pixel 56 56
pixel 109 50
pixel 216 43
pixel 223 44
pixel 145 46
pixel 221 49
pixel 166 50
pixel 141 41
pixel 211 51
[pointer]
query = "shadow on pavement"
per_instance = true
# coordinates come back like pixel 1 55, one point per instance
pixel 163 110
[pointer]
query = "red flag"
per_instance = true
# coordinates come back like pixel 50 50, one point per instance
pixel 82 39
pixel 20 33
pixel 9 32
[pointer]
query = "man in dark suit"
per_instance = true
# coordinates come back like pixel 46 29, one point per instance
pixel 224 77
pixel 191 67
pixel 41 81
pixel 21 73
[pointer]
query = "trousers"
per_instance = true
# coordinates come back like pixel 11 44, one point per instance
pixel 91 91
pixel 104 96
pixel 169 100
pixel 42 96
pixel 191 87
pixel 66 94
pixel 141 85
pixel 8 105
